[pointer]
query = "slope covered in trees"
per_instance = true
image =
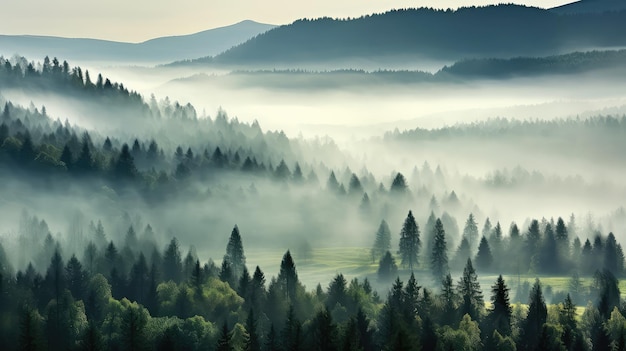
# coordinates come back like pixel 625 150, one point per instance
pixel 432 33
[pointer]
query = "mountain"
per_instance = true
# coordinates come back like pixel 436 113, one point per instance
pixel 410 34
pixel 590 6
pixel 159 50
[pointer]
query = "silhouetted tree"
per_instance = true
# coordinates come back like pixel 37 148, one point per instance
pixel 387 268
pixel 409 242
pixel 484 259
pixel 470 293
pixel 537 315
pixel 439 254
pixel 382 242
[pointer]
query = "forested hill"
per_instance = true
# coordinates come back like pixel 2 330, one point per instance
pixel 503 30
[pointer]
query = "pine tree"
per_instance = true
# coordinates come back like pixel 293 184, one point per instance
pixel 282 171
pixel 133 329
pixel 537 315
pixel 567 319
pixel 562 241
pixel 252 341
pixel 439 254
pixel 448 301
pixel 29 330
pixel 288 277
pixel 399 186
pixel 84 163
pixel 470 232
pixel 484 259
pixel 382 243
pixel 324 331
pixel 234 253
pixel 172 262
pixel 224 341
pixel 332 184
pixel 470 293
pixel 355 187
pixel 92 339
pixel 499 317
pixel 387 268
pixel 125 165
pixel 409 242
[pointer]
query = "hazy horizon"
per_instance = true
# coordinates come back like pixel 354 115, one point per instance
pixel 142 20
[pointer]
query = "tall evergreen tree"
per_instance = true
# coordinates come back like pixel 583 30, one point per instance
pixel 470 232
pixel 484 259
pixel 224 341
pixel 382 243
pixel 409 242
pixel 252 341
pixel 399 185
pixel 449 302
pixel 288 277
pixel 387 268
pixel 537 315
pixel 234 253
pixel 439 254
pixel 469 291
pixel 172 262
pixel 499 316
pixel 324 331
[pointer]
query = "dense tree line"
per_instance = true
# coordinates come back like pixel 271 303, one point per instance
pixel 134 295
pixel 431 32
pixel 546 247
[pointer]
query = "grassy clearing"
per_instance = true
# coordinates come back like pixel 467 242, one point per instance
pixel 352 262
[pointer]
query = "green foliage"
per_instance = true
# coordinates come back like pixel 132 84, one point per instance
pixel 409 242
pixel 439 254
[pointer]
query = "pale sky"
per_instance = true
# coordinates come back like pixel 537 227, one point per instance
pixel 139 20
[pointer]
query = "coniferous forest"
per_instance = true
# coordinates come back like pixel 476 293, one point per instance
pixel 139 217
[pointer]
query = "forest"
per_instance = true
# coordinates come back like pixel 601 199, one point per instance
pixel 93 257
pixel 428 32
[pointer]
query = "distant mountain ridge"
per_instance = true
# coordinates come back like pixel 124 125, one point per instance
pixel 154 51
pixel 474 32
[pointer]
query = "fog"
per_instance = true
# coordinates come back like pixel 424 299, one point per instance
pixel 341 122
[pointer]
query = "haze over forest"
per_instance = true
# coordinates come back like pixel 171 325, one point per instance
pixel 412 179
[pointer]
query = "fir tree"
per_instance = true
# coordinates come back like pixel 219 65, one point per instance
pixel 409 242
pixel 439 254
pixel 537 315
pixel 470 293
pixel 234 253
pixel 484 259
pixel 382 243
pixel 499 316
pixel 470 232
pixel 387 268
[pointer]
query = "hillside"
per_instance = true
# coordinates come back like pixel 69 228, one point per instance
pixel 159 50
pixel 590 6
pixel 492 31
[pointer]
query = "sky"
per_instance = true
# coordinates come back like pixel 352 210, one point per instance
pixel 140 20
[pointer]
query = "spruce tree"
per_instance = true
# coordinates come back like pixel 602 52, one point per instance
pixel 409 242
pixel 484 259
pixel 382 243
pixel 288 277
pixel 252 341
pixel 499 316
pixel 387 268
pixel 537 315
pixel 234 253
pixel 439 254
pixel 470 232
pixel 224 341
pixel 470 293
